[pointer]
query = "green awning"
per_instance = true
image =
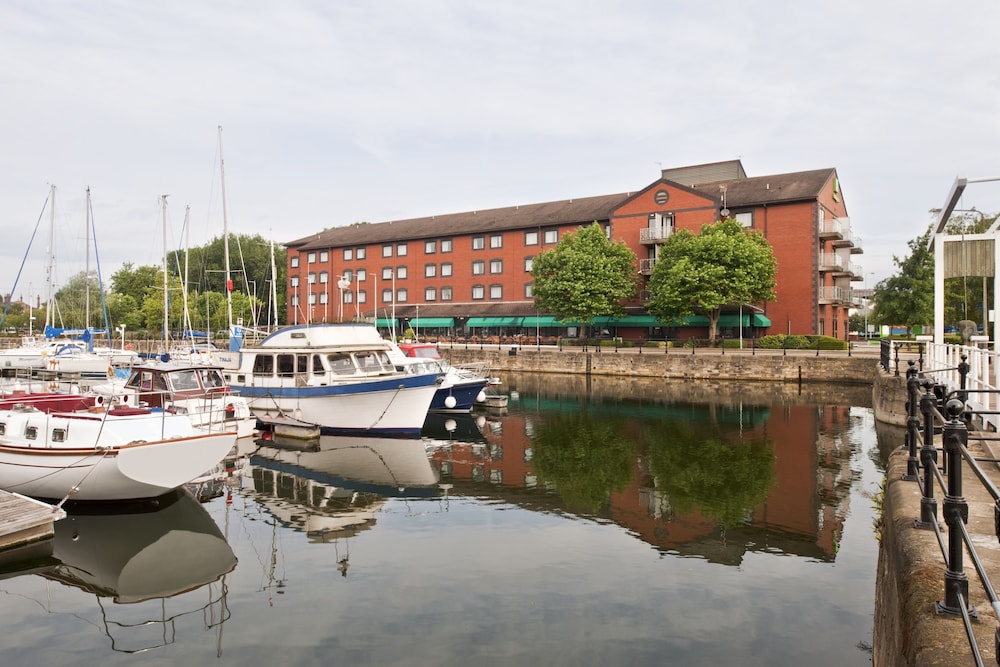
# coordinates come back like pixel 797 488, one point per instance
pixel 628 321
pixel 431 322
pixel 385 322
pixel 733 320
pixel 484 322
pixel 545 321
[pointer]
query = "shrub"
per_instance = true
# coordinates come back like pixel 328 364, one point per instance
pixel 782 342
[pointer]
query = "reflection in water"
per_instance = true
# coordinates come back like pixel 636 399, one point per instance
pixel 146 557
pixel 709 479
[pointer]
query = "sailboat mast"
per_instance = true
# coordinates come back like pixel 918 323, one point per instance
pixel 86 270
pixel 225 233
pixel 166 303
pixel 184 290
pixel 274 288
pixel 49 299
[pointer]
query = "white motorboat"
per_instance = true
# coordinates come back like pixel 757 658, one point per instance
pixel 103 454
pixel 337 377
pixel 462 387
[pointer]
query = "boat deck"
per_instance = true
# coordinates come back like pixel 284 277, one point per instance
pixel 24 520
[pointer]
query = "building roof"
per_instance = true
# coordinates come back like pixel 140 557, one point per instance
pixel 571 211
pixel 740 192
pixel 777 188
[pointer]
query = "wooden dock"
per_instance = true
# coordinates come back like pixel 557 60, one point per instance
pixel 24 520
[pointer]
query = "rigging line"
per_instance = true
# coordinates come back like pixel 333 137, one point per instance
pixel 389 405
pixel 100 279
pixel 25 258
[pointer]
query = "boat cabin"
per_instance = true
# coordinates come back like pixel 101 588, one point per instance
pixel 152 385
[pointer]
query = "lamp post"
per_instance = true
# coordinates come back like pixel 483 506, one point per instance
pixel 121 330
pixel 343 283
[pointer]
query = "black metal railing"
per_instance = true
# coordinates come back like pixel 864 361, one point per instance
pixel 932 408
pixel 889 354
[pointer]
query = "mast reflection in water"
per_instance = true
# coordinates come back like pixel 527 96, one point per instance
pixel 589 523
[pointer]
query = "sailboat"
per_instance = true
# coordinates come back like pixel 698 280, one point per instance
pixel 64 351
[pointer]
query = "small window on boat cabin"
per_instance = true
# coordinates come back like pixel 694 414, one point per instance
pixel 286 365
pixel 212 379
pixel 340 364
pixel 263 364
pixel 185 380
pixel 369 362
pixel 31 432
pixel 58 435
pixel 143 380
pixel 317 365
pixel 301 363
pixel 3 428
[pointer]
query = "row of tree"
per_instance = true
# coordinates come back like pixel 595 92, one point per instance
pixel 724 265
pixel 134 296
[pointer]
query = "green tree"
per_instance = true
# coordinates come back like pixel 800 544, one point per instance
pixel 584 276
pixel 723 265
pixel 907 298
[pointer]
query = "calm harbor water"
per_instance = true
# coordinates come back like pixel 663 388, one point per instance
pixel 601 522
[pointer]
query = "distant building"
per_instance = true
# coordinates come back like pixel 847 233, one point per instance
pixel 468 273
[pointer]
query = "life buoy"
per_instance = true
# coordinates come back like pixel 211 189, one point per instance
pixel 128 346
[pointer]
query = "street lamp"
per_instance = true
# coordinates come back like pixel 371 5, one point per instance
pixel 343 283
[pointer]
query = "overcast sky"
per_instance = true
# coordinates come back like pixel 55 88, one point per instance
pixel 335 112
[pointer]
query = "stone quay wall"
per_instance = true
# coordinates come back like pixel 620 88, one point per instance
pixel 704 364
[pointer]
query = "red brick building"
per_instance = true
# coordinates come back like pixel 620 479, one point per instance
pixel 464 273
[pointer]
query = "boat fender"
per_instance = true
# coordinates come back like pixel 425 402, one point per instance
pixel 450 402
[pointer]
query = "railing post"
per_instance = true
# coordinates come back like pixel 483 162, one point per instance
pixel 928 459
pixel 955 436
pixel 963 375
pixel 912 423
pixel 896 350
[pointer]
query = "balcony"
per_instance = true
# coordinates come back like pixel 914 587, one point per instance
pixel 834 295
pixel 646 266
pixel 654 234
pixel 856 248
pixel 831 229
pixel 829 261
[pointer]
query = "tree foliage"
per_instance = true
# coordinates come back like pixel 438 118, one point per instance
pixel 723 265
pixel 584 276
pixel 907 298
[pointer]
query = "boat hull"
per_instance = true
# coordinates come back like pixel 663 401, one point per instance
pixel 139 456
pixel 463 394
pixel 395 408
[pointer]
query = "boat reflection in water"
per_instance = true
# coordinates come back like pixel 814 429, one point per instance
pixel 145 557
pixel 333 486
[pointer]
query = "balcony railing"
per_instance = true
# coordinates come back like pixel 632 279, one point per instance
pixel 646 266
pixel 654 234
pixel 829 261
pixel 831 229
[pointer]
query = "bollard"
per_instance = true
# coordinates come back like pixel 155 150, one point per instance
pixel 955 436
pixel 963 374
pixel 912 423
pixel 928 459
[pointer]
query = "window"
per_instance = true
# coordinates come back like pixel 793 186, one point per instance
pixel 550 236
pixel 362 296
pixel 430 294
pixel 446 245
pixel 386 273
pixel 340 364
pixel 361 253
pixel 746 219
pixel 348 296
pixel 263 364
pixel 324 298
pixel 387 251
pixel 430 247
pixel 324 277
pixel 312 298
pixel 401 272
pixel 478 242
pixel 430 270
pixel 446 270
pixel 496 266
pixel 311 279
pixel 362 275
pixel 401 250
pixel 58 435
pixel 348 254
pixel 348 275
pixel 387 296
pixel 295 261
pixel 324 256
pixel 496 240
pixel 295 281
pixel 478 267
pixel 529 262
pixel 311 258
pixel 529 291
pixel 531 238
pixel 445 296
pixel 317 364
pixel 478 292
pixel 496 292
pixel 401 295
pixel 295 300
